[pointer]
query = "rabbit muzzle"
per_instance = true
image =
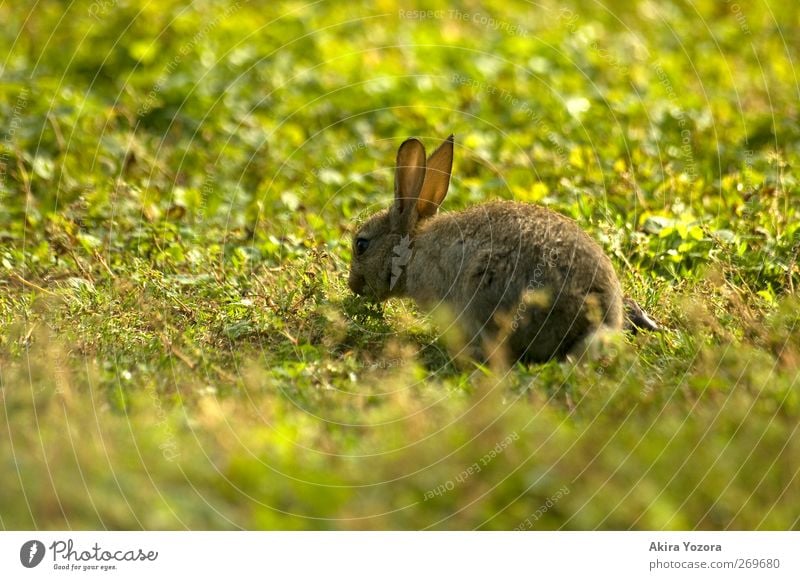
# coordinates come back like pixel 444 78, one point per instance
pixel 362 286
pixel 356 283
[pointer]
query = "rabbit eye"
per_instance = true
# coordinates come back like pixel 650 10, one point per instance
pixel 361 245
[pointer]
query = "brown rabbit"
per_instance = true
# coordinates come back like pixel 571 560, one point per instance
pixel 511 273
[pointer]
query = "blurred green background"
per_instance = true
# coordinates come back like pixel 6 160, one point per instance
pixel 178 187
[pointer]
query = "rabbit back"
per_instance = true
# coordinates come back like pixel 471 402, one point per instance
pixel 519 271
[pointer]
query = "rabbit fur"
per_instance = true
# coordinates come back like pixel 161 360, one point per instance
pixel 516 277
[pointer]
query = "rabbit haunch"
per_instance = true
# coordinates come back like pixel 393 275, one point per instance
pixel 507 272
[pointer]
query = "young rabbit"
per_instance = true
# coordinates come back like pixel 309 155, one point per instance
pixel 511 273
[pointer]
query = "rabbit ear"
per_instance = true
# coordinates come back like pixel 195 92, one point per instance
pixel 437 179
pixel 408 178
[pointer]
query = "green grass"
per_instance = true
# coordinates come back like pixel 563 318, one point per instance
pixel 178 346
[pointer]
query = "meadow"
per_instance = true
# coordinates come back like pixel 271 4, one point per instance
pixel 179 184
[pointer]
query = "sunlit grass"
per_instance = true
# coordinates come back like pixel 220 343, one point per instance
pixel 178 346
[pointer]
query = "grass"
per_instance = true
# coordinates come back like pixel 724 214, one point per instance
pixel 178 346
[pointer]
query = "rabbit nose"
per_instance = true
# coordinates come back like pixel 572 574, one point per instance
pixel 356 283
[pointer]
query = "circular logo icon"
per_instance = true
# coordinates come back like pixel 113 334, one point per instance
pixel 31 553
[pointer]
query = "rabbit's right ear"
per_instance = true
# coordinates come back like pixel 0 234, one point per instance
pixel 437 179
pixel 408 178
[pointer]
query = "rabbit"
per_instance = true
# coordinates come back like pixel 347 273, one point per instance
pixel 509 272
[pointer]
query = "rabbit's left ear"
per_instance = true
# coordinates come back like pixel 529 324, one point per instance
pixel 437 179
pixel 408 178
